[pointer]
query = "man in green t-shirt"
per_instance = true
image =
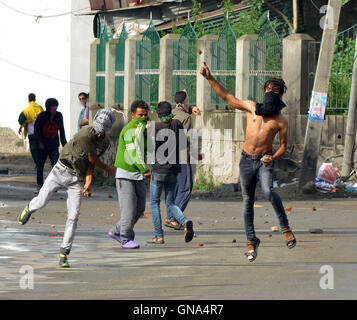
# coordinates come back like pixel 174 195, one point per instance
pixel 75 166
pixel 130 174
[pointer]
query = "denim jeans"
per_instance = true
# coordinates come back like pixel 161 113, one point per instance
pixel 167 182
pixel 184 188
pixel 250 172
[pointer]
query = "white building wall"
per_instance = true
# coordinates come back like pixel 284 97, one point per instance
pixel 42 51
pixel 81 38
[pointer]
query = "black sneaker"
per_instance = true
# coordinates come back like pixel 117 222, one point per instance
pixel 24 216
pixel 189 231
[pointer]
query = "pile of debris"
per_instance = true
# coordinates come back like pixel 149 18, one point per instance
pixel 329 180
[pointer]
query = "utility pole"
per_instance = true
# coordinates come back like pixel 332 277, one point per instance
pixel 319 95
pixel 350 137
pixel 295 16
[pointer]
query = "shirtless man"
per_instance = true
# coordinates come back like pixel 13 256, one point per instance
pixel 264 121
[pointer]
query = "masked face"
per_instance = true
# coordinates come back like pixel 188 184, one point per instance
pixel 272 105
pixel 103 121
pixel 140 113
pixel 82 100
pixel 185 104
pixel 53 111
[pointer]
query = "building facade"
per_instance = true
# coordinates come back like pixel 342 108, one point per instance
pixel 44 50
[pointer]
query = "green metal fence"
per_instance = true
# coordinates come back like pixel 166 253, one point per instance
pixel 148 66
pixel 184 63
pixel 119 67
pixel 224 63
pixel 341 71
pixel 100 66
pixel 266 57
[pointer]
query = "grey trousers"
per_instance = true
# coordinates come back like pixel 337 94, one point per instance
pixel 132 200
pixel 58 178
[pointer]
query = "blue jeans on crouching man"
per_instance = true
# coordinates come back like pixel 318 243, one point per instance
pixel 252 170
pixel 167 182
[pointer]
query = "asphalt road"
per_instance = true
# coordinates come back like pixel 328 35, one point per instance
pixel 321 266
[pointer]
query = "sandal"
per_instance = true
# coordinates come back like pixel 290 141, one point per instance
pixel 157 240
pixel 291 240
pixel 173 224
pixel 167 222
pixel 177 226
pixel 252 254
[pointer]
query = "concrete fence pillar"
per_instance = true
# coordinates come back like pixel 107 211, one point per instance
pixel 166 67
pixel 93 106
pixel 110 73
pixel 242 82
pixel 129 72
pixel 243 65
pixel 203 95
pixel 296 73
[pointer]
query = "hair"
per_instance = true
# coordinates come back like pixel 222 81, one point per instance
pixel 83 94
pixel 164 108
pixel 180 96
pixel 32 97
pixel 51 102
pixel 139 104
pixel 277 83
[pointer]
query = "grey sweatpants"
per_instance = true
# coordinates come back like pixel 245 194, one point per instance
pixel 58 178
pixel 132 200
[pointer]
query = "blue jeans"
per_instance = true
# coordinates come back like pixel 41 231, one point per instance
pixel 184 188
pixel 250 172
pixel 168 182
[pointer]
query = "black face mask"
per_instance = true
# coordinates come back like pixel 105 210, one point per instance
pixel 272 105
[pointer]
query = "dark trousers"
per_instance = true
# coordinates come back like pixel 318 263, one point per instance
pixel 33 141
pixel 53 154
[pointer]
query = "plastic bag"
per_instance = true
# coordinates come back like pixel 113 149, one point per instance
pixel 327 173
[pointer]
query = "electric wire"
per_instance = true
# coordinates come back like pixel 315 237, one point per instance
pixel 40 73
pixel 38 16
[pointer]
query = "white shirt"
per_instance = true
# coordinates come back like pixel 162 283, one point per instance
pixel 31 128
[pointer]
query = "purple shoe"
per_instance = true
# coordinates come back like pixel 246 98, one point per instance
pixel 114 236
pixel 130 245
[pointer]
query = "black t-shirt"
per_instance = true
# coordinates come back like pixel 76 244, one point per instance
pixel 167 146
pixel 47 130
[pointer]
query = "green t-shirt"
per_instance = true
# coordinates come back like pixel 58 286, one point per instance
pixel 84 143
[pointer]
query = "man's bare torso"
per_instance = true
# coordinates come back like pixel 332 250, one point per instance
pixel 261 131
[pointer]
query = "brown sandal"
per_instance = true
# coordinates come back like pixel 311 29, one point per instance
pixel 173 224
pixel 157 240
pixel 291 242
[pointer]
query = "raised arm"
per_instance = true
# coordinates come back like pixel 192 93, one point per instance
pixel 244 105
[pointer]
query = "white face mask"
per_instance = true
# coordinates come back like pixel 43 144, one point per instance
pixel 103 122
